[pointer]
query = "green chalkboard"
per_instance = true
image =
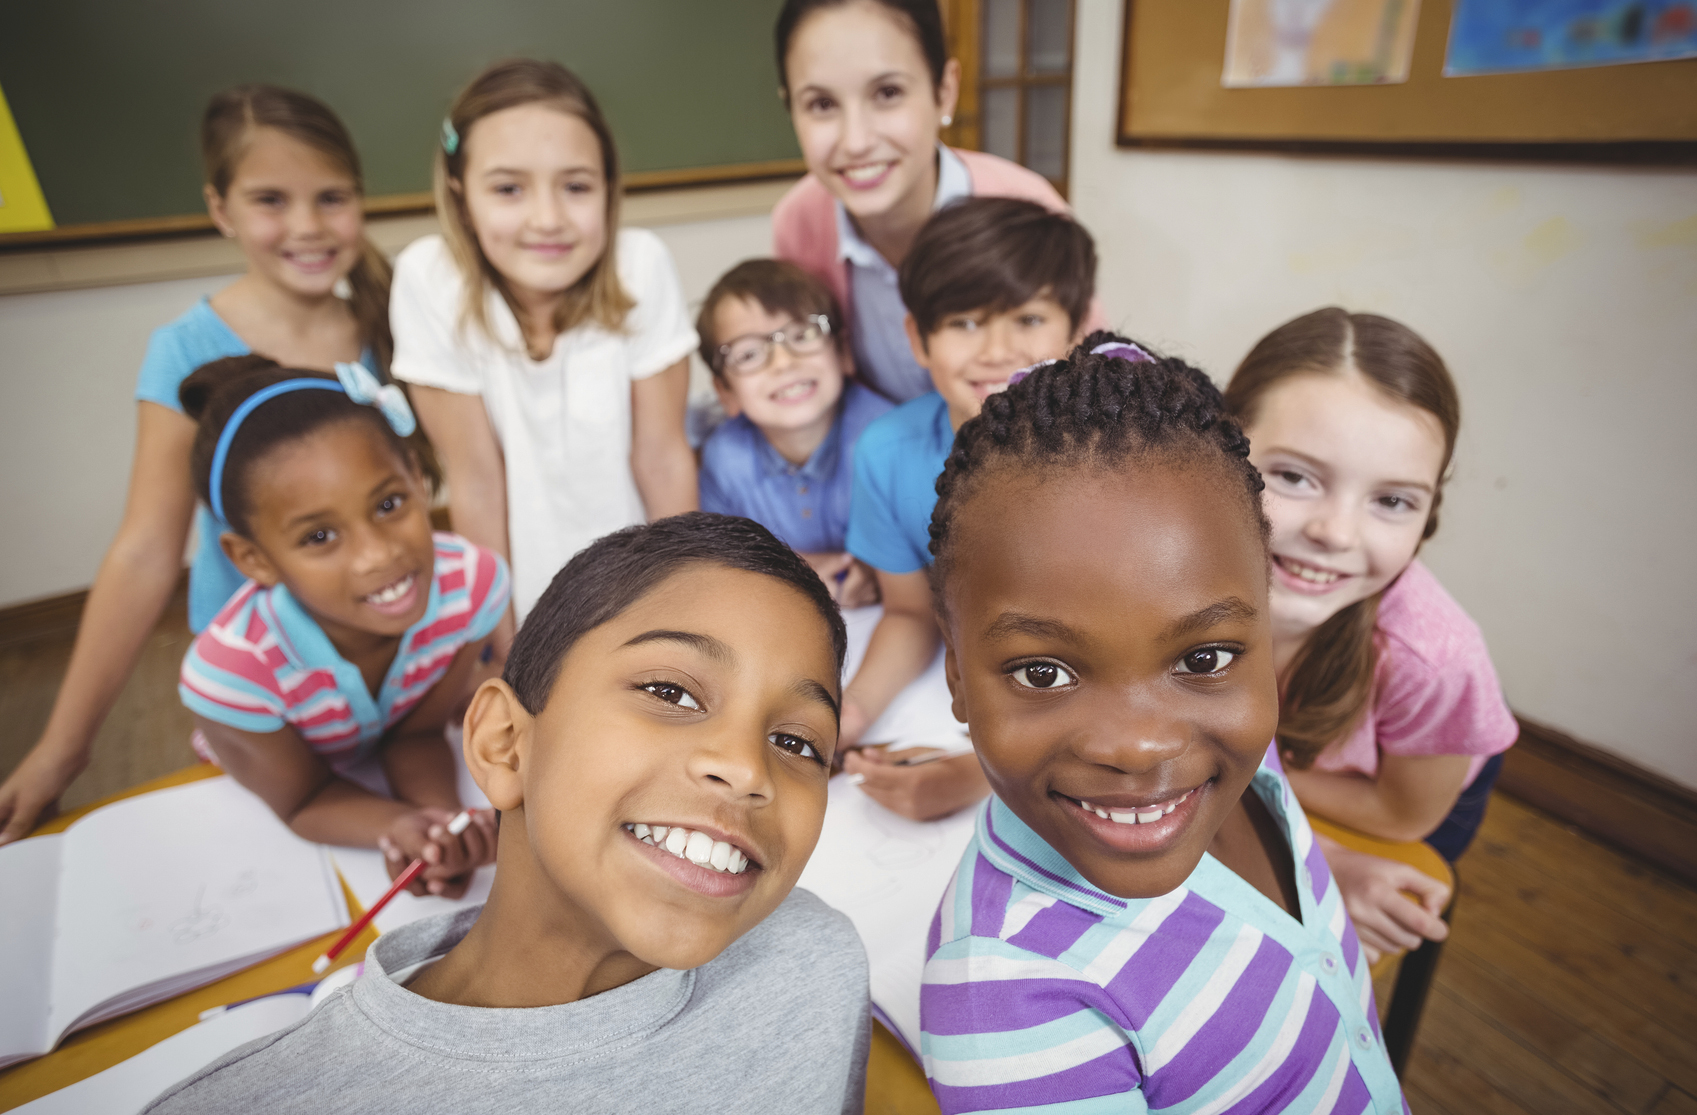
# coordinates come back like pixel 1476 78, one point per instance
pixel 108 94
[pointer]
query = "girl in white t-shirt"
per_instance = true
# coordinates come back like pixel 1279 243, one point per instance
pixel 548 349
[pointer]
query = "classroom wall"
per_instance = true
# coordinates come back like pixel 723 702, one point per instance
pixel 68 362
pixel 1565 302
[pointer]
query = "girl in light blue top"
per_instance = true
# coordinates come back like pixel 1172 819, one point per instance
pixel 283 181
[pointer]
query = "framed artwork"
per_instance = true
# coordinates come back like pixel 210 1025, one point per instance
pixel 1368 77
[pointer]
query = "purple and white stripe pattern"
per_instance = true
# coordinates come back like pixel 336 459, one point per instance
pixel 1042 992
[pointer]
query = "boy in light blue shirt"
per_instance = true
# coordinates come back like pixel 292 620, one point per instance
pixel 773 337
pixel 992 285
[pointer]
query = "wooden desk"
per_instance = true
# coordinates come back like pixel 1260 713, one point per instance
pixel 100 1047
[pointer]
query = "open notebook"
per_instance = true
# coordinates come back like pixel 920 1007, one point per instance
pixel 146 898
pixel 882 870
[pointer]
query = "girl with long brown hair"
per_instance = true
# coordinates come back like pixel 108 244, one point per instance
pixel 1391 720
pixel 548 348
pixel 283 181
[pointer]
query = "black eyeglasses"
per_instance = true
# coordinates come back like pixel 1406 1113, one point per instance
pixel 747 355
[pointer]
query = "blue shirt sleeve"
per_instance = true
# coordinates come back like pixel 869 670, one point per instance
pixel 875 533
pixel 716 495
pixel 163 370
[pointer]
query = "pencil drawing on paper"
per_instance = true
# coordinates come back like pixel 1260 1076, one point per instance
pixel 202 921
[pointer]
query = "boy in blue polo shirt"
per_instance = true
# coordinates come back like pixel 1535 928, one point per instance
pixel 774 338
pixel 991 285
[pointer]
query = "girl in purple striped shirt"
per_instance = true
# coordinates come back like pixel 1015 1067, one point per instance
pixel 1143 921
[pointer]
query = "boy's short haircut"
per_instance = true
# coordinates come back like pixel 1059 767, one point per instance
pixel 990 254
pixel 781 288
pixel 618 569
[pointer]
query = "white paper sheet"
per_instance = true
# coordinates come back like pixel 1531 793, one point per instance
pixel 881 869
pixel 920 716
pixel 29 880
pixel 887 873
pixel 128 1086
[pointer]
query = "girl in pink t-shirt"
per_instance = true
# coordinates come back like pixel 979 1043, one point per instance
pixel 1391 721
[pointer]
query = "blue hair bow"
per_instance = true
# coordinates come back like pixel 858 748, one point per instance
pixel 391 402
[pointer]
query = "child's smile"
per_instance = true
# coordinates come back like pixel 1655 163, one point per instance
pixel 1108 643
pixel 701 857
pixel 344 524
pixel 666 798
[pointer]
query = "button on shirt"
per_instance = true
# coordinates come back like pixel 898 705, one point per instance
pixel 1043 992
pixel 881 351
pixel 805 505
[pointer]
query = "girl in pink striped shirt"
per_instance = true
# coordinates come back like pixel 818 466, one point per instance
pixel 358 633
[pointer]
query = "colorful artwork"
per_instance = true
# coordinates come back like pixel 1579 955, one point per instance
pixel 1318 42
pixel 22 208
pixel 1506 36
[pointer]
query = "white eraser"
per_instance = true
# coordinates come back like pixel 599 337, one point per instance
pixel 460 823
pixel 319 965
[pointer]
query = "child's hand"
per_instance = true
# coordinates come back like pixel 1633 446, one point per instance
pixel 852 583
pixel 1394 906
pixel 923 792
pixel 859 585
pixel 423 834
pixel 31 794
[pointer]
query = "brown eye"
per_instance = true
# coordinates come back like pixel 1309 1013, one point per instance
pixel 1042 675
pixel 1208 660
pixel 672 694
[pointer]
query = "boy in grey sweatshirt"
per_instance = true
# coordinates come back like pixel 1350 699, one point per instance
pixel 658 746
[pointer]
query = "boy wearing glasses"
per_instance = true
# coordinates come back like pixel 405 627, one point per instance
pixel 773 337
pixel 992 285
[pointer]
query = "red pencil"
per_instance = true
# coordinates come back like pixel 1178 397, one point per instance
pixel 456 826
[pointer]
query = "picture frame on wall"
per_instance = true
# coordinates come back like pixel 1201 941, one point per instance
pixel 1173 94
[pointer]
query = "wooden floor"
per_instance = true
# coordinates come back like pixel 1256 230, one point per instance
pixel 1569 983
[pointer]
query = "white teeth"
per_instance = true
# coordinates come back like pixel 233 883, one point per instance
pixel 392 593
pixel 1309 573
pixel 1138 817
pixel 697 847
pixel 865 173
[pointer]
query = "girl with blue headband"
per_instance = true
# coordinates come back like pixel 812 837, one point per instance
pixel 357 634
pixel 283 183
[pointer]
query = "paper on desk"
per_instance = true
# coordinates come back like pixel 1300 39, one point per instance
pixel 887 873
pixel 130 1085
pixel 920 716
pixel 157 894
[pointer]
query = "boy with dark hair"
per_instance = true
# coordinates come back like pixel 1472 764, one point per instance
pixel 658 746
pixel 992 285
pixel 774 338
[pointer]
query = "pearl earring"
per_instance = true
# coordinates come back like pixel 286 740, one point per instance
pixel 947 120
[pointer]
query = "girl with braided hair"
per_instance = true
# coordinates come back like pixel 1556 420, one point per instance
pixel 1392 720
pixel 1142 920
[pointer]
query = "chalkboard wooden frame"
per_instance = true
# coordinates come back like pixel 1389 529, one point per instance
pixel 1206 130
pixel 199 224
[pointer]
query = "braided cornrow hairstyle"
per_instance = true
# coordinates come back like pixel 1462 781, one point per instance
pixel 1098 410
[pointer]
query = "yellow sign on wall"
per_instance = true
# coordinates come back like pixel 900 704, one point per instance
pixel 22 208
